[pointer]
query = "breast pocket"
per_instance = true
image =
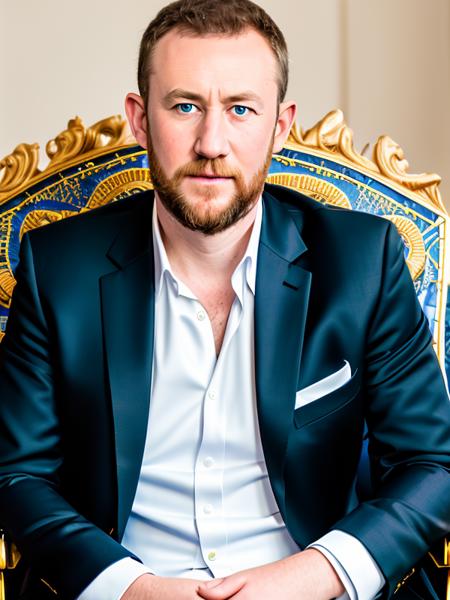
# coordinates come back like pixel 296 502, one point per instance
pixel 329 402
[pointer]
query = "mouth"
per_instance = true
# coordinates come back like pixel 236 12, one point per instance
pixel 208 178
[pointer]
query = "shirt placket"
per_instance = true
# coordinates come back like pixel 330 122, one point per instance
pixel 209 467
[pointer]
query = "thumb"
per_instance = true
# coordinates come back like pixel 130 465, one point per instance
pixel 220 589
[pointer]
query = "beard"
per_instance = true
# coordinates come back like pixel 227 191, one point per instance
pixel 203 216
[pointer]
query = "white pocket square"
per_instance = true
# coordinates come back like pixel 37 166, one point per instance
pixel 324 386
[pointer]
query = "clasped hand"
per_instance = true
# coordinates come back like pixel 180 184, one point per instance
pixel 304 576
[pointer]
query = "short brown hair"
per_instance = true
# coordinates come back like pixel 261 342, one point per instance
pixel 200 17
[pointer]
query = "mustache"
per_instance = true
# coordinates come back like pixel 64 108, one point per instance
pixel 214 166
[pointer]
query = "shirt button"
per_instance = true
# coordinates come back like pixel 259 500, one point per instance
pixel 212 556
pixel 208 462
pixel 201 315
pixel 208 509
pixel 211 394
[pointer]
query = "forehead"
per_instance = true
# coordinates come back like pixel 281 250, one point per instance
pixel 201 63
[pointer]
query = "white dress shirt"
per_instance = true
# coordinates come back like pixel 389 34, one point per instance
pixel 204 506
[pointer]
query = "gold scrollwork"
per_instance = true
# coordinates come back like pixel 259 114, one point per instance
pixel 77 139
pixel 18 168
pixel 390 158
pixel 119 184
pixel 7 283
pixel 316 188
pixel 331 134
pixel 413 239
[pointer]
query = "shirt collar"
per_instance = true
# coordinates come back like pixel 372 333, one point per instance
pixel 245 271
pixel 162 264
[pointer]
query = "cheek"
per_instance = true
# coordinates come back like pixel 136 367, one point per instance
pixel 252 153
pixel 163 139
pixel 170 146
pixel 252 143
pixel 164 132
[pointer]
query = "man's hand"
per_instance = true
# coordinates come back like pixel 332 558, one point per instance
pixel 304 576
pixel 152 587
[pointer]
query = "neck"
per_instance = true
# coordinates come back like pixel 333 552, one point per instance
pixel 195 255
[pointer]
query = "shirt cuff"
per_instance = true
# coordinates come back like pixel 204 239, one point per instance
pixel 358 571
pixel 113 581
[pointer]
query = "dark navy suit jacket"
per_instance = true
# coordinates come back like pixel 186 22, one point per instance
pixel 75 381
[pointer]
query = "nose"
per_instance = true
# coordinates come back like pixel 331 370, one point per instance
pixel 212 141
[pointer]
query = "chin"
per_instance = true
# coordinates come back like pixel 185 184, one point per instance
pixel 219 192
pixel 208 199
pixel 209 212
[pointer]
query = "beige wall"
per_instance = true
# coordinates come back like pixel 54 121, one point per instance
pixel 398 57
pixel 384 62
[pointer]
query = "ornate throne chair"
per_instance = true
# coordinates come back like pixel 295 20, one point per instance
pixel 89 167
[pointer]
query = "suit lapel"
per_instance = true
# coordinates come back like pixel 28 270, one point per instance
pixel 127 298
pixel 281 302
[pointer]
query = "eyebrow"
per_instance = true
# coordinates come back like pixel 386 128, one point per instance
pixel 177 93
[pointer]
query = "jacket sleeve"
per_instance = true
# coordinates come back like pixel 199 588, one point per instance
pixel 408 418
pixel 67 550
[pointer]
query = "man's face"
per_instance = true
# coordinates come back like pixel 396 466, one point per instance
pixel 211 119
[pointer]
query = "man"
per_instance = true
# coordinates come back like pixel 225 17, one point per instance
pixel 185 378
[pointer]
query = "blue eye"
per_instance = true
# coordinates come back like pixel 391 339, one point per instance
pixel 239 110
pixel 185 107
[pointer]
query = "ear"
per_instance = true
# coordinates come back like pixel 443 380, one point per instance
pixel 137 118
pixel 286 117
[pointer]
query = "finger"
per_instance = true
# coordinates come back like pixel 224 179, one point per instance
pixel 226 588
pixel 212 583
